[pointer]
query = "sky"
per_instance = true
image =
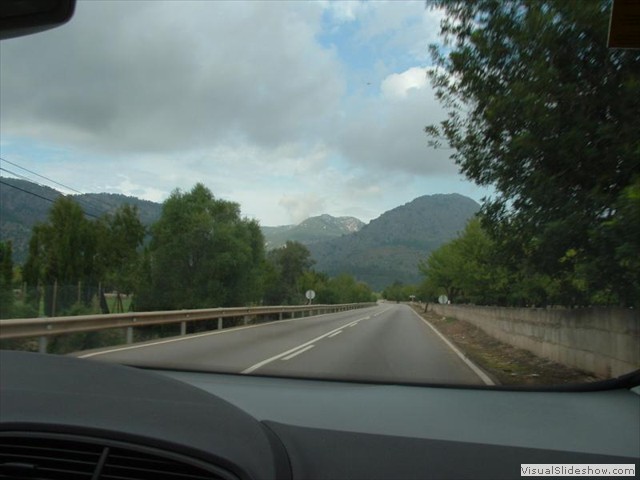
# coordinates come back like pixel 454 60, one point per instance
pixel 291 109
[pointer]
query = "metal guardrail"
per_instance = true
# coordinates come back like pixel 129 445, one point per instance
pixel 47 326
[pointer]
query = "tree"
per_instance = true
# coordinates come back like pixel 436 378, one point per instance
pixel 319 283
pixel 340 289
pixel 466 269
pixel 472 268
pixel 62 251
pixel 400 292
pixel 202 254
pixel 541 110
pixel 120 237
pixel 345 289
pixel 288 265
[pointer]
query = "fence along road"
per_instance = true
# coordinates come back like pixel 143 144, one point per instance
pixel 46 327
pixel 388 343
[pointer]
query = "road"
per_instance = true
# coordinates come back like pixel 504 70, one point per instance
pixel 387 343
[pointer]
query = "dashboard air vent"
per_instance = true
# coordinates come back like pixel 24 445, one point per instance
pixel 64 457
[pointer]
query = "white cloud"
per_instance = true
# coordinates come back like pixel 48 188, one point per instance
pixel 143 76
pixel 405 27
pixel 386 134
pixel 300 207
pixel 397 85
pixel 142 97
pixel 344 11
pixel 125 186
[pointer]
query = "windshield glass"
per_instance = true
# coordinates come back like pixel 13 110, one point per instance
pixel 437 193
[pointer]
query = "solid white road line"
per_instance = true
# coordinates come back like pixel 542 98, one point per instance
pixel 483 376
pixel 253 368
pixel 170 340
pixel 302 350
pixel 334 334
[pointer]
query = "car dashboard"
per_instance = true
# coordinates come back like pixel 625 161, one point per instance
pixel 63 417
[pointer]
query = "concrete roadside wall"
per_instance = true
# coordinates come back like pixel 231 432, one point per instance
pixel 601 341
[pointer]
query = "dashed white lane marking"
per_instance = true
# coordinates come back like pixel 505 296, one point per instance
pixel 253 368
pixel 190 337
pixel 302 350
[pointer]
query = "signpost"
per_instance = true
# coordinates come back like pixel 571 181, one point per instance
pixel 443 300
pixel 310 294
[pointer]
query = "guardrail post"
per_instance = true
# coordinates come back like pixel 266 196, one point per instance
pixel 42 344
pixel 37 327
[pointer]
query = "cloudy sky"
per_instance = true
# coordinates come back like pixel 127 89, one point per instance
pixel 291 109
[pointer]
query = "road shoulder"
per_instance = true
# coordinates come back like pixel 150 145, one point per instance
pixel 505 364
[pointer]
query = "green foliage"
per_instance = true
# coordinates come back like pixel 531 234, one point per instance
pixel 62 251
pixel 69 255
pixel 465 269
pixel 541 109
pixel 290 275
pixel 345 289
pixel 202 255
pixel 21 211
pixel 400 292
pixel 119 241
pixel 288 264
pixel 473 269
pixel 340 289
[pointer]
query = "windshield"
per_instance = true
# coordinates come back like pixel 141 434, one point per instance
pixel 403 192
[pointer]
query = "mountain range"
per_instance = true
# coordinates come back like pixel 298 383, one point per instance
pixel 389 247
pixel 312 230
pixel 385 250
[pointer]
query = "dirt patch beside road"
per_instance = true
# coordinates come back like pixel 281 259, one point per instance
pixel 506 364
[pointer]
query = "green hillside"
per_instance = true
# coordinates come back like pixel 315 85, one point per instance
pixel 389 247
pixel 379 253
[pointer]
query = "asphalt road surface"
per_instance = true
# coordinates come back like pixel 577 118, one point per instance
pixel 387 343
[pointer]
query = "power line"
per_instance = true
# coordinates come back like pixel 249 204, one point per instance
pixel 19 176
pixel 36 183
pixel 26 191
pixel 97 207
pixel 41 176
pixel 43 198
